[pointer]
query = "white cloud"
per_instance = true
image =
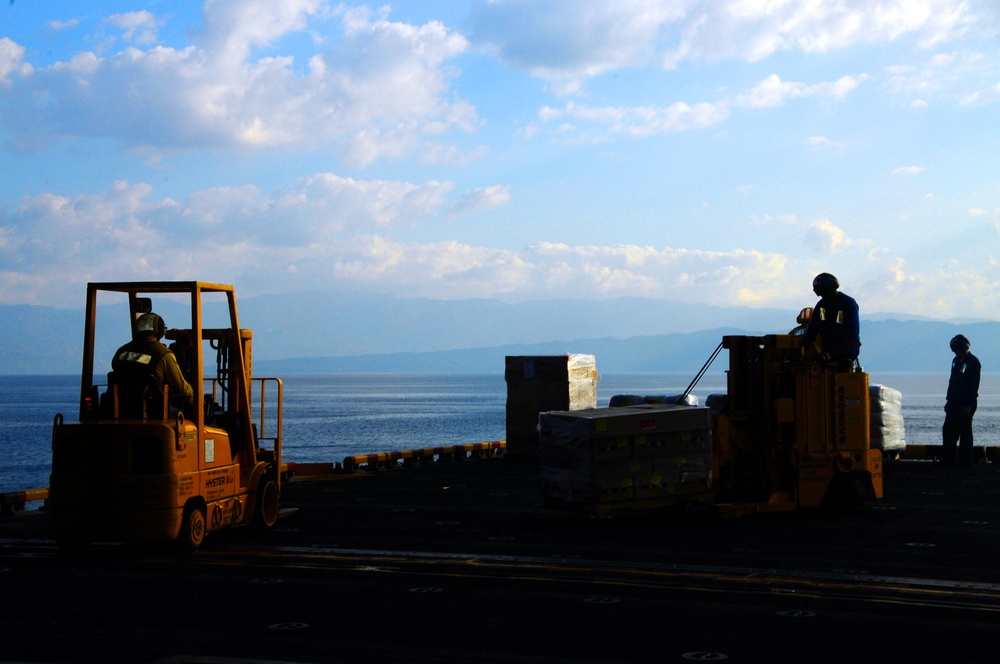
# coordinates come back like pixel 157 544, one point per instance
pixel 773 92
pixel 636 121
pixel 952 290
pixel 939 74
pixel 332 228
pixel 122 233
pixel 139 26
pixel 826 237
pixel 605 122
pixel 481 198
pixel 63 25
pixel 560 270
pixel 908 170
pixel 432 154
pixel 567 39
pixel 234 27
pixel 304 80
pixel 769 219
pixel 329 230
pixel 823 142
pixel 377 94
pixel 754 30
pixel 11 55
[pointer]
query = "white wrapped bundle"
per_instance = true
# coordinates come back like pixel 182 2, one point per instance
pixel 887 428
pixel 886 398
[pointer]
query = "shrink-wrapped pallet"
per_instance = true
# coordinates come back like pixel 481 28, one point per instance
pixel 635 457
pixel 887 428
pixel 885 399
pixel 536 384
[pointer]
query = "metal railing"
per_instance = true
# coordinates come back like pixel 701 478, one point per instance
pixel 266 415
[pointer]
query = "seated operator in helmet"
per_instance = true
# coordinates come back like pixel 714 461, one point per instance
pixel 834 321
pixel 146 356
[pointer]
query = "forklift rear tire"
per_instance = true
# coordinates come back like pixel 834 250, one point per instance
pixel 847 491
pixel 193 529
pixel 267 505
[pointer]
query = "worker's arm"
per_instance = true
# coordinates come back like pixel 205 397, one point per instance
pixel 813 326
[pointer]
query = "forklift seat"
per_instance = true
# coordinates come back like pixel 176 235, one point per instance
pixel 136 398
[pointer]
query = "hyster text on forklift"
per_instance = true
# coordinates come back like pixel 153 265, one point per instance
pixel 141 464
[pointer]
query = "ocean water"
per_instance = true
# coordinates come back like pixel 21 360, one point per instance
pixel 329 417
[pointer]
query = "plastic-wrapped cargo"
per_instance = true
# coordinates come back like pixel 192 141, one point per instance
pixel 636 400
pixel 887 428
pixel 885 398
pixel 539 383
pixel 635 457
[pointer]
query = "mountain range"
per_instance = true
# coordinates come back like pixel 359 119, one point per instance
pixel 336 331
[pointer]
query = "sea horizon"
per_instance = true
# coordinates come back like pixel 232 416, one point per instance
pixel 330 416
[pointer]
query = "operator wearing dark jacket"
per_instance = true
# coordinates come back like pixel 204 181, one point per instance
pixel 960 403
pixel 146 356
pixel 834 321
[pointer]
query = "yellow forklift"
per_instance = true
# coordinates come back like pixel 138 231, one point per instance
pixel 789 433
pixel 141 463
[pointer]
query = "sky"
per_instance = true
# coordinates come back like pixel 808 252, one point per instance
pixel 718 152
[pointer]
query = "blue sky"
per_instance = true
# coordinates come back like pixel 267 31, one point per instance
pixel 721 152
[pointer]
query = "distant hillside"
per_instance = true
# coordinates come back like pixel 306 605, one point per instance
pixel 333 323
pixel 359 332
pixel 887 346
pixel 330 323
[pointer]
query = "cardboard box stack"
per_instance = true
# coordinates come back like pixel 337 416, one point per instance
pixel 541 383
pixel 635 457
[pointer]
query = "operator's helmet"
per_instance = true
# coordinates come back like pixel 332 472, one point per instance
pixel 825 282
pixel 959 343
pixel 151 323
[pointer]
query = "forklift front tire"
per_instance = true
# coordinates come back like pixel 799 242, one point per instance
pixel 267 505
pixel 193 528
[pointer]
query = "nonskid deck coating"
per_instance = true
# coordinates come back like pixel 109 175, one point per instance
pixel 460 562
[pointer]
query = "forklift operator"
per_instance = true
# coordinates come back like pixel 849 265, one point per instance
pixel 834 322
pixel 146 356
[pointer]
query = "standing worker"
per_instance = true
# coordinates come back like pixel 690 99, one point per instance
pixel 835 322
pixel 960 403
pixel 146 356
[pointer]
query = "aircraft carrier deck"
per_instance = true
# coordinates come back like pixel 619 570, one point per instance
pixel 460 562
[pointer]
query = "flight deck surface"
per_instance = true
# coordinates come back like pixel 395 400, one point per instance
pixel 460 562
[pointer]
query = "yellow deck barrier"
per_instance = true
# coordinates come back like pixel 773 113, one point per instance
pixel 13 501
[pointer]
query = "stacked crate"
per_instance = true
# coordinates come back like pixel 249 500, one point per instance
pixel 635 457
pixel 541 383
